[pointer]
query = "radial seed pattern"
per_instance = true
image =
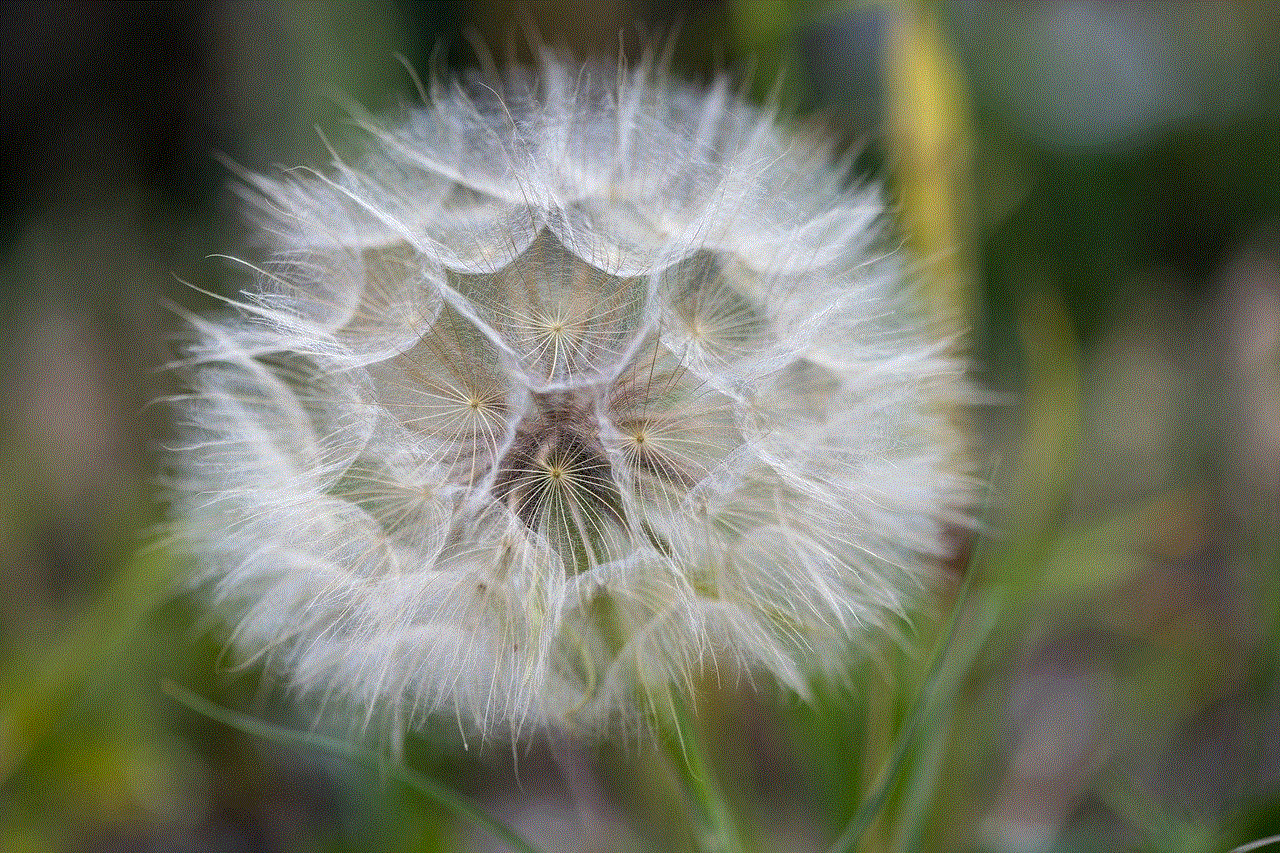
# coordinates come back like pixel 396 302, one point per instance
pixel 582 382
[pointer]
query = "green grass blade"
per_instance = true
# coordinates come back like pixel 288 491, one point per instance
pixel 874 802
pixel 434 791
pixel 701 787
pixel 870 807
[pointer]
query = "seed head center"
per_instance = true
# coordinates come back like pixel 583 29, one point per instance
pixel 557 446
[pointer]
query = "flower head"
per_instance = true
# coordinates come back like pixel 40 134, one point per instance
pixel 581 382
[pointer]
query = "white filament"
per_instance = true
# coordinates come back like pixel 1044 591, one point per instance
pixel 579 384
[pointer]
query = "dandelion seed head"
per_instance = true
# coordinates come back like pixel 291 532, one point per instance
pixel 581 383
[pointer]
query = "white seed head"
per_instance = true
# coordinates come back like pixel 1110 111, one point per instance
pixel 581 383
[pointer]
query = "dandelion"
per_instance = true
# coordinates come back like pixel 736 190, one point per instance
pixel 583 382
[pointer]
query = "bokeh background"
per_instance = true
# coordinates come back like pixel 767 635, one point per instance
pixel 1094 192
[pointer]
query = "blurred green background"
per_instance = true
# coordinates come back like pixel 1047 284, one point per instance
pixel 1094 191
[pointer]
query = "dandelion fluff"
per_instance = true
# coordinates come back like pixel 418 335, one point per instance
pixel 583 382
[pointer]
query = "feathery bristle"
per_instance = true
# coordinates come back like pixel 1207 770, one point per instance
pixel 577 384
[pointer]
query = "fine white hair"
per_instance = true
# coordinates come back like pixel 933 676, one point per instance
pixel 582 382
